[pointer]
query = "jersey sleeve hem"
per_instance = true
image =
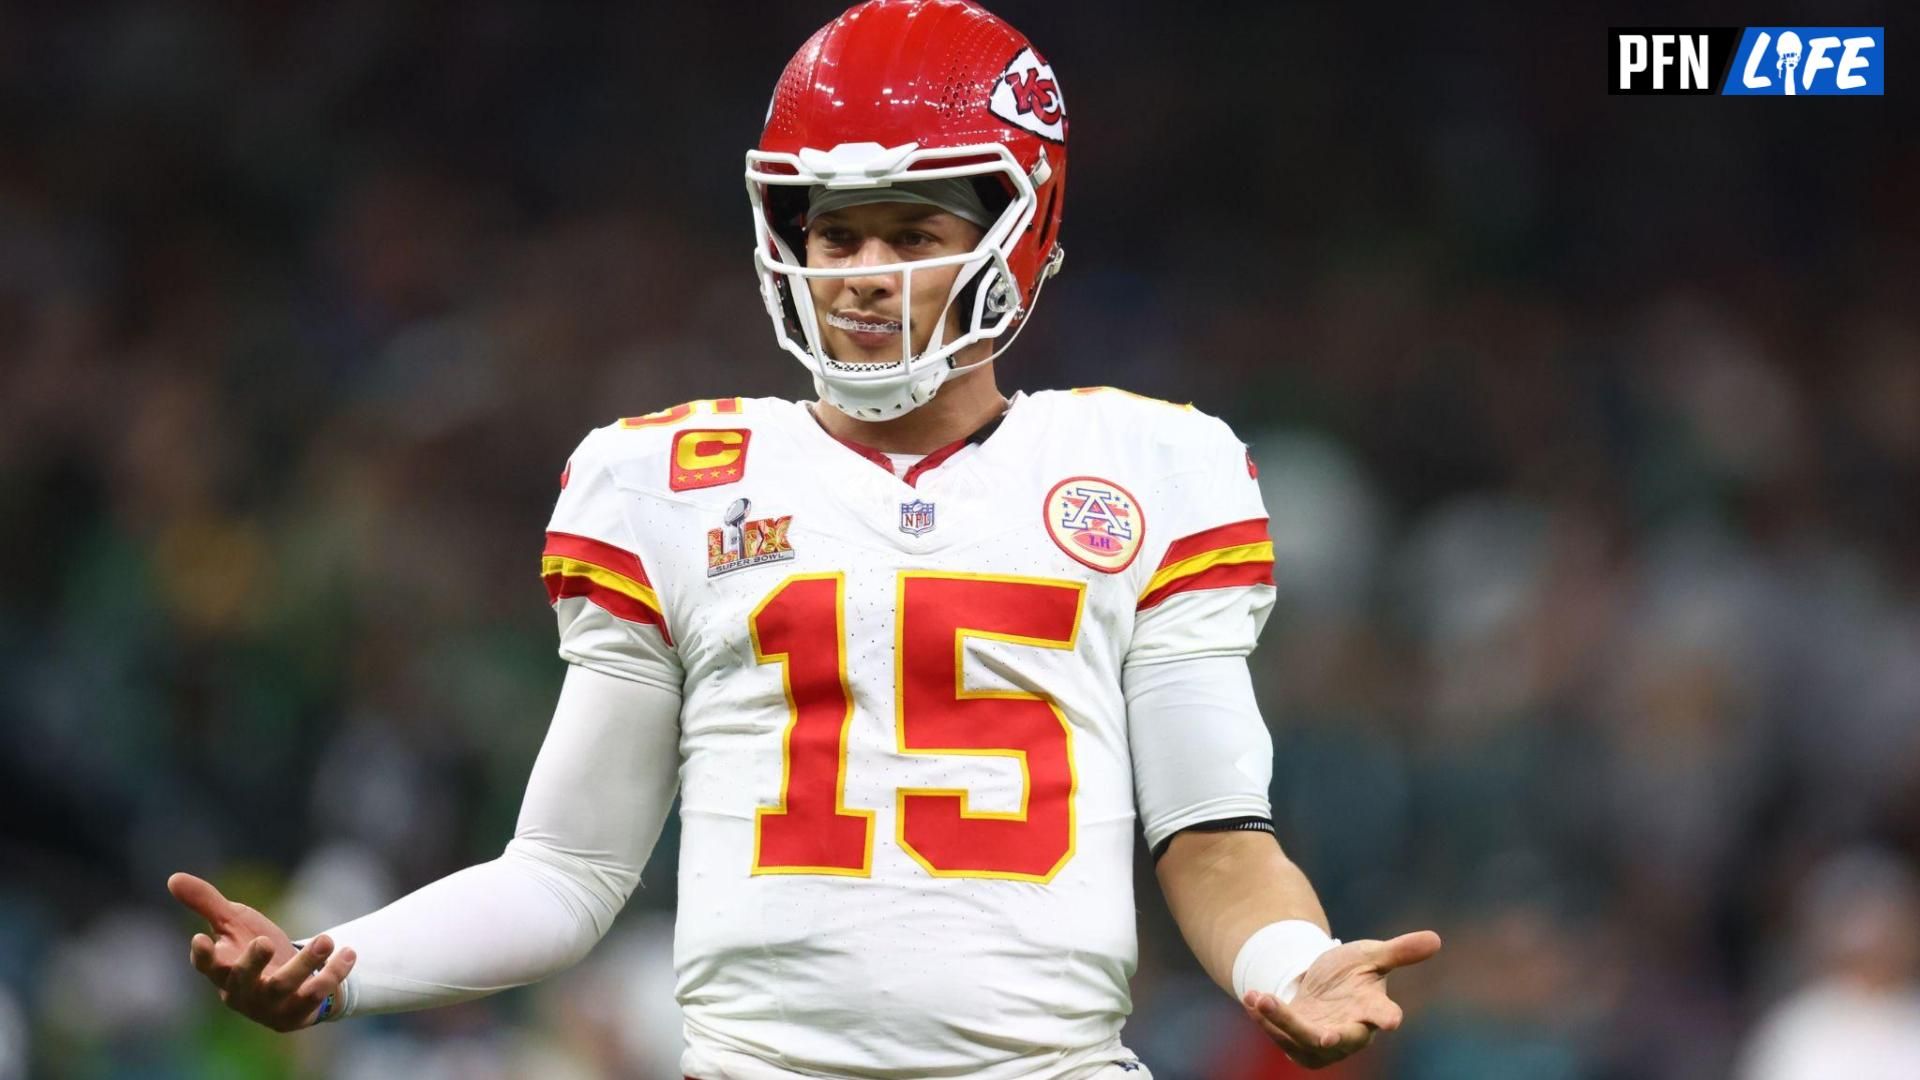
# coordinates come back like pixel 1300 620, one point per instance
pixel 1225 806
pixel 1142 660
pixel 661 681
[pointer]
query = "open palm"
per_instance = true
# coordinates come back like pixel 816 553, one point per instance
pixel 253 963
pixel 1342 1000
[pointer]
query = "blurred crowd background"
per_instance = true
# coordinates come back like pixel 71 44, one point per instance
pixel 1590 427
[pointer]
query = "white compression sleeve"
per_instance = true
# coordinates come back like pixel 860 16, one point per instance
pixel 599 793
pixel 1200 750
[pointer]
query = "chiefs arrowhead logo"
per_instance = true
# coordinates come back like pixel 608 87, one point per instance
pixel 1028 96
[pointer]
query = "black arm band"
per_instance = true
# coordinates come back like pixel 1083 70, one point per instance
pixel 1232 824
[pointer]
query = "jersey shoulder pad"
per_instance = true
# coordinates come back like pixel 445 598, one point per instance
pixel 1112 398
pixel 1169 427
pixel 694 445
pixel 684 413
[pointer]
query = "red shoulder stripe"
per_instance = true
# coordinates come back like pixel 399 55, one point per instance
pixel 1251 531
pixel 588 550
pixel 612 601
pixel 1224 576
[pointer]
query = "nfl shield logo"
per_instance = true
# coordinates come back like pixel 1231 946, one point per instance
pixel 916 518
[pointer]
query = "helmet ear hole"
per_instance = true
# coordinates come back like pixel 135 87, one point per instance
pixel 1000 295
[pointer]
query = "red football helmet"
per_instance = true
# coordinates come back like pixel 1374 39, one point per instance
pixel 896 91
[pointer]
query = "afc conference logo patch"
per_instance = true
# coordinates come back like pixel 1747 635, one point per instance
pixel 704 459
pixel 739 543
pixel 916 517
pixel 1096 522
pixel 1028 96
pixel 1747 61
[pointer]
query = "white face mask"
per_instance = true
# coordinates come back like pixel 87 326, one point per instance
pixel 870 172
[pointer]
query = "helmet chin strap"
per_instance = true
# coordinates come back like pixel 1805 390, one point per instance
pixel 924 388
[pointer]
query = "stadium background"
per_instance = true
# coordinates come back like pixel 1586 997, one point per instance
pixel 1590 427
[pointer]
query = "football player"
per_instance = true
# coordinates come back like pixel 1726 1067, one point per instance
pixel 915 655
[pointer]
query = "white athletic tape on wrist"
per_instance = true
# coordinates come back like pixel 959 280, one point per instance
pixel 1275 957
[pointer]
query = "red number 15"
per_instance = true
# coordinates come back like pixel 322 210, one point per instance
pixel 812 831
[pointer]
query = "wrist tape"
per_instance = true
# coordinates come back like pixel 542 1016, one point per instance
pixel 1275 957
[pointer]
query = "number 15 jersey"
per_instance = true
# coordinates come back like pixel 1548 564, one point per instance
pixel 907 795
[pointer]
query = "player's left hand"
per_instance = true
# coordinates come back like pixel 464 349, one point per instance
pixel 1342 1001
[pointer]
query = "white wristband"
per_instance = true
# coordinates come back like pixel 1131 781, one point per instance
pixel 1275 957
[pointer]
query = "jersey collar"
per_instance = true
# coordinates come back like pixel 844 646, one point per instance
pixel 932 460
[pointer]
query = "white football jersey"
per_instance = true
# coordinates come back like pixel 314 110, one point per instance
pixel 907 800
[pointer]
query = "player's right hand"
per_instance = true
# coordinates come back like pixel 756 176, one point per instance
pixel 253 963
